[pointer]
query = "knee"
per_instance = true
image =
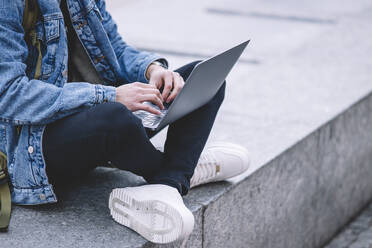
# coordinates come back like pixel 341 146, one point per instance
pixel 193 64
pixel 186 70
pixel 220 95
pixel 117 118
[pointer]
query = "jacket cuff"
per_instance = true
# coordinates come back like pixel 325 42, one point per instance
pixel 145 65
pixel 105 94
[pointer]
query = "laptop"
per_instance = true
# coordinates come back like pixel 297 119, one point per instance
pixel 203 83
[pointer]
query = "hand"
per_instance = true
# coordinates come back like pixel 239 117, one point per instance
pixel 172 81
pixel 133 95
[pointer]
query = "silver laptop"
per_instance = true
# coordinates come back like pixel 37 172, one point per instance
pixel 200 87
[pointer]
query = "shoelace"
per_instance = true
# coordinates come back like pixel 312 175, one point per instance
pixel 206 170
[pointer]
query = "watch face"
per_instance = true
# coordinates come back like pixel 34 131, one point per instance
pixel 160 64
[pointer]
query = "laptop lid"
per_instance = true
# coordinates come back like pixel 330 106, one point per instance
pixel 203 83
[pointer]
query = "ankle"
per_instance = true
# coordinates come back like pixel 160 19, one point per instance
pixel 180 187
pixel 172 177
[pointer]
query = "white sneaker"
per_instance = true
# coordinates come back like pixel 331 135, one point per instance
pixel 220 161
pixel 155 211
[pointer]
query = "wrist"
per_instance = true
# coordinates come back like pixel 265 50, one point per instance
pixel 154 66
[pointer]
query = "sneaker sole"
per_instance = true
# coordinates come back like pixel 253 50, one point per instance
pixel 155 220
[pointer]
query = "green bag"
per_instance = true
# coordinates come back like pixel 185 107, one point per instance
pixel 5 199
pixel 29 20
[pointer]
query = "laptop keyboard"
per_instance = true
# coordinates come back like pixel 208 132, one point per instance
pixel 151 120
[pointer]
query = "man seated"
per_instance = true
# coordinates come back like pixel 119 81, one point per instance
pixel 68 87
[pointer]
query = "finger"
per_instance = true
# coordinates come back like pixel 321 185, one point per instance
pixel 178 85
pixel 144 86
pixel 168 84
pixel 153 91
pixel 153 99
pixel 156 81
pixel 148 108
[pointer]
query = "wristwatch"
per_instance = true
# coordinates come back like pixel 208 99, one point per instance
pixel 160 63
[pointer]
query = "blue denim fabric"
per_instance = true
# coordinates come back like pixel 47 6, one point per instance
pixel 119 139
pixel 28 104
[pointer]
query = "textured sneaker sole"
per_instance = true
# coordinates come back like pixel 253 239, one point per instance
pixel 155 220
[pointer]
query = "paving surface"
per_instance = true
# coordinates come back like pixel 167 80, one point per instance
pixel 308 62
pixel 299 69
pixel 358 234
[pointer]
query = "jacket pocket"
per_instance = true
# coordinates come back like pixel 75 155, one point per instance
pixel 48 33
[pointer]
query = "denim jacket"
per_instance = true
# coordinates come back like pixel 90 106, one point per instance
pixel 28 104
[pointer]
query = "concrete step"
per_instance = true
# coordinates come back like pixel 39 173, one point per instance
pixel 357 234
pixel 303 112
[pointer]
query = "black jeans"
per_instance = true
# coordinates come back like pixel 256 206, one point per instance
pixel 110 133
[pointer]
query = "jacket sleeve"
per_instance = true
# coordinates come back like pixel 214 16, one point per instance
pixel 24 101
pixel 133 62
